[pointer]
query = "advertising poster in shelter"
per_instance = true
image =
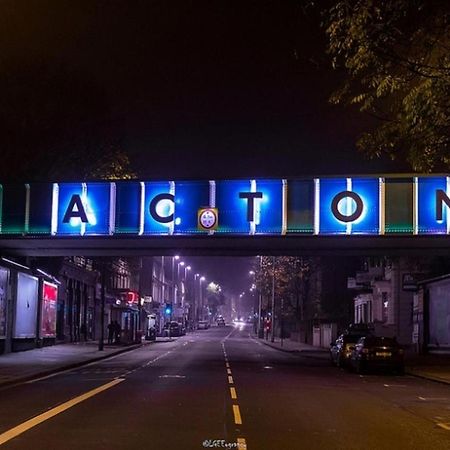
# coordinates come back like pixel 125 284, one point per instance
pixel 26 307
pixel 3 291
pixel 49 298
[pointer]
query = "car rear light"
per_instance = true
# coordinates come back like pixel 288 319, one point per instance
pixel 365 351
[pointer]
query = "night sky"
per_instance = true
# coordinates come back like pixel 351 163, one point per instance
pixel 191 89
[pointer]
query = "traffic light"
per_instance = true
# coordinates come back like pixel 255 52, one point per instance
pixel 168 309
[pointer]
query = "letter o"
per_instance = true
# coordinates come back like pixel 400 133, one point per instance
pixel 342 217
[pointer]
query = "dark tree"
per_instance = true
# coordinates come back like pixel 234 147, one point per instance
pixel 396 55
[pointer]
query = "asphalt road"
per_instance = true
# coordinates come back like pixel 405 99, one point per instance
pixel 216 388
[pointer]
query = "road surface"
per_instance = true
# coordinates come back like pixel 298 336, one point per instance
pixel 220 388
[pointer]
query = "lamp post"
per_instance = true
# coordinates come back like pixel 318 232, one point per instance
pixel 195 292
pixel 273 300
pixel 186 270
pixel 173 296
pixel 180 263
pixel 258 322
pixel 102 311
pixel 202 313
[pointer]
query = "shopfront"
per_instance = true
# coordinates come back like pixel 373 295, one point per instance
pixel 439 315
pixel 125 310
pixel 28 307
pixel 4 276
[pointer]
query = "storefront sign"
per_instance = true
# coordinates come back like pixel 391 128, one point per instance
pixel 326 206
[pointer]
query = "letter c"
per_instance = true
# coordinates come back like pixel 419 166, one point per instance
pixel 154 204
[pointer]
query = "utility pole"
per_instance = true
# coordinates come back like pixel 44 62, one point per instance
pixel 102 317
pixel 260 324
pixel 273 300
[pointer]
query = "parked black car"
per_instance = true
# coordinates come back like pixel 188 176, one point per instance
pixel 341 350
pixel 172 329
pixel 372 352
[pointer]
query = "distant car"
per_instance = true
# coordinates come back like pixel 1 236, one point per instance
pixel 341 349
pixel 220 322
pixel 182 329
pixel 373 352
pixel 203 325
pixel 172 329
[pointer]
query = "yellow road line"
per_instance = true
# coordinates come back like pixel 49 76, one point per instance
pixel 241 444
pixel 25 426
pixel 237 415
pixel 229 371
pixel 445 426
pixel 230 379
pixel 233 393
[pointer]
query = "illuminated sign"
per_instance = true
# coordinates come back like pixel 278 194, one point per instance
pixel 48 313
pixel 348 206
pixel 325 206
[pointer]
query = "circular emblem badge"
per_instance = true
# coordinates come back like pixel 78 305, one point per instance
pixel 207 218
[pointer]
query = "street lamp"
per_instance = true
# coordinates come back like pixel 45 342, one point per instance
pixel 179 263
pixel 259 328
pixel 174 296
pixel 202 315
pixel 186 269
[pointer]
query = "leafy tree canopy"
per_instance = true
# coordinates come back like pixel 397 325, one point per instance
pixel 396 57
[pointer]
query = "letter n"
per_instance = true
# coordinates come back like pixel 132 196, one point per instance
pixel 441 197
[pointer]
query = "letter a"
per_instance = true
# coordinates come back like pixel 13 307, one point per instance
pixel 75 210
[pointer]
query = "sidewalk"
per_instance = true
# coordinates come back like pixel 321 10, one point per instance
pixel 296 347
pixel 27 365
pixel 431 367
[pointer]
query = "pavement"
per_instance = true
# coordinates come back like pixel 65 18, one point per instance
pixel 434 367
pixel 23 366
pixel 18 367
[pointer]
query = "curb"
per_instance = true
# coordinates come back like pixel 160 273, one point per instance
pixel 54 370
pixel 427 377
pixel 306 353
